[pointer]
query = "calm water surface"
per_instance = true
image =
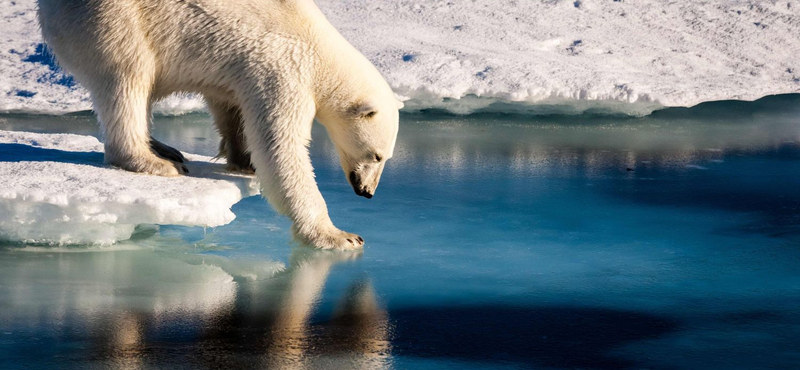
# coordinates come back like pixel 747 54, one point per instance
pixel 670 241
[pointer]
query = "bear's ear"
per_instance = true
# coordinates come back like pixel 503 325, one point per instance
pixel 363 110
pixel 400 104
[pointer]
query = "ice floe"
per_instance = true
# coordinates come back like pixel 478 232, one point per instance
pixel 55 189
pixel 532 56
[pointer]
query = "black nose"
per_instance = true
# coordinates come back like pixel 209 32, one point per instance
pixel 362 192
pixel 355 181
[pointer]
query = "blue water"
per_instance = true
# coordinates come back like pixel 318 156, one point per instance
pixel 493 242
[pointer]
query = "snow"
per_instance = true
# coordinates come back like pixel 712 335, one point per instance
pixel 532 56
pixel 54 189
pixel 624 56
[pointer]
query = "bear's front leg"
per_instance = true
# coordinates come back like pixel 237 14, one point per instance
pixel 278 139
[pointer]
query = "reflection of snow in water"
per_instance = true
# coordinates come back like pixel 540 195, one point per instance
pixel 121 300
pixel 95 284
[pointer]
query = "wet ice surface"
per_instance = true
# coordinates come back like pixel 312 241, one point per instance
pixel 670 241
pixel 58 191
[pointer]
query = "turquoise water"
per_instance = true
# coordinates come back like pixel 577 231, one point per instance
pixel 669 241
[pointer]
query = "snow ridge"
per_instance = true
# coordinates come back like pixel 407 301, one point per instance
pixel 547 56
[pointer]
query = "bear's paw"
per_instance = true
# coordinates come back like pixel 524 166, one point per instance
pixel 334 239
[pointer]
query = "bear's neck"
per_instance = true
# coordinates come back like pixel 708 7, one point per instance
pixel 344 75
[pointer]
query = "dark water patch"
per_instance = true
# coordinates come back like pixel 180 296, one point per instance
pixel 761 183
pixel 80 123
pixel 737 109
pixel 565 337
pixel 80 113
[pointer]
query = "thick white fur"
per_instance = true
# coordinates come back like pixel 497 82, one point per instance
pixel 275 64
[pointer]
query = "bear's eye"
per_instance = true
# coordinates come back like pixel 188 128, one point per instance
pixel 378 158
pixel 370 114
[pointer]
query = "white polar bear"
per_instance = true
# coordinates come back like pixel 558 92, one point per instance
pixel 266 68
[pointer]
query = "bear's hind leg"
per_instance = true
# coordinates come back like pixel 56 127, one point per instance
pixel 123 110
pixel 228 119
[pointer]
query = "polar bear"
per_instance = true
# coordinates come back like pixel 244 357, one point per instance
pixel 267 69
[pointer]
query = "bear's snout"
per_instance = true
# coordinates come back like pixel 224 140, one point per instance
pixel 359 187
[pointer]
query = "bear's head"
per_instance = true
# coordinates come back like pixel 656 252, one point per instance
pixel 364 131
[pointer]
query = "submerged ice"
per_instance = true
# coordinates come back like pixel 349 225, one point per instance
pixel 539 56
pixel 56 190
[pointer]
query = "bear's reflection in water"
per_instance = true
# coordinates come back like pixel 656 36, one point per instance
pixel 138 309
pixel 277 325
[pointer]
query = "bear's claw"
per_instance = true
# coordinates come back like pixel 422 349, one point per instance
pixel 167 152
pixel 336 239
pixel 151 164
